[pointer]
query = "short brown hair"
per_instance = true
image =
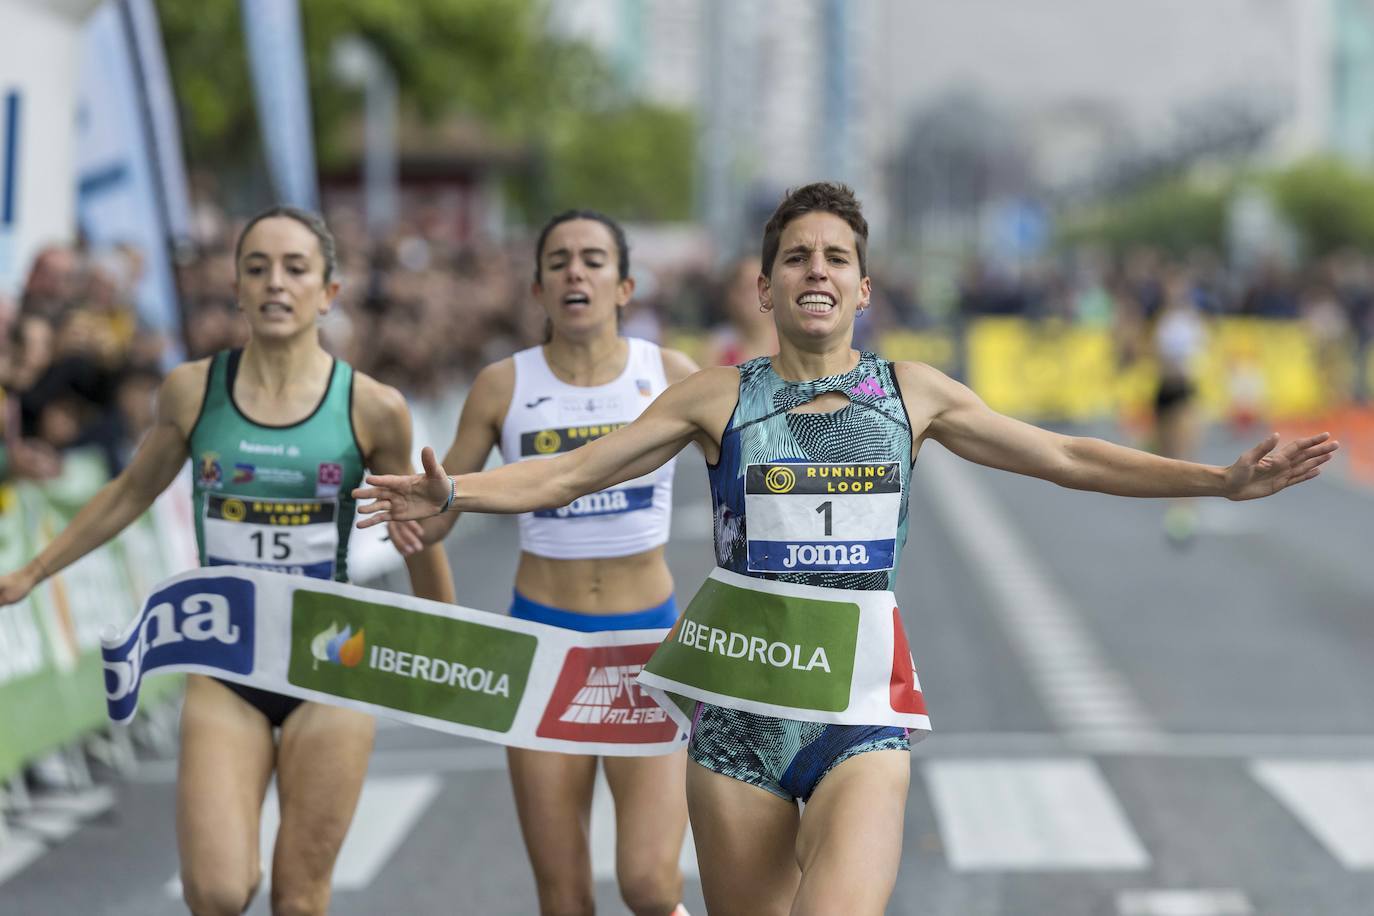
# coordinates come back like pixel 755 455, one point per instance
pixel 823 197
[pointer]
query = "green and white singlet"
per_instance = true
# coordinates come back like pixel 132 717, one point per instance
pixel 269 497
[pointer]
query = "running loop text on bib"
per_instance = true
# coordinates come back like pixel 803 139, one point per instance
pixel 822 516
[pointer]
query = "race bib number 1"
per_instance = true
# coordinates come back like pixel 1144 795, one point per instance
pixel 822 517
pixel 298 537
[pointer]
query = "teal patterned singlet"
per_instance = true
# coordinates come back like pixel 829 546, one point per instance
pixel 839 518
pixel 817 499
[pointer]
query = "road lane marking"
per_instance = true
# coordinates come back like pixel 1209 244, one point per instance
pixel 1183 903
pixel 18 853
pixel 492 759
pixel 387 810
pixel 49 818
pixel 1028 815
pixel 1332 799
pixel 603 836
pixel 1078 687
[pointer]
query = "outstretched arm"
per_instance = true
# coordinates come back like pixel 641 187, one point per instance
pixel 160 456
pixel 959 420
pixel 689 410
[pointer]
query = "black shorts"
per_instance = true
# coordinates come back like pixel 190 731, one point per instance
pixel 274 706
pixel 1173 392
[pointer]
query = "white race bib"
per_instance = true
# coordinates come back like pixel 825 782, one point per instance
pixel 822 516
pixel 298 537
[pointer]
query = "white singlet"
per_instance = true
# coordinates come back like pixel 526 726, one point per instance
pixel 548 417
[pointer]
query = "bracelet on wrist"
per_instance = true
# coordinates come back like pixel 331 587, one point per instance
pixel 452 493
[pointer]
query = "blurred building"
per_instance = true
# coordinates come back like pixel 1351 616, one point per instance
pixel 1090 95
pixel 788 91
pixel 452 171
pixel 1350 34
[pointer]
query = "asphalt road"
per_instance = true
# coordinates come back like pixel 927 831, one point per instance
pixel 1121 726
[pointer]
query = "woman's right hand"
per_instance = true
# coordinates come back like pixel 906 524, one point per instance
pixel 400 497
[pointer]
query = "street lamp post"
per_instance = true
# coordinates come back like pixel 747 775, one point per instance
pixel 358 64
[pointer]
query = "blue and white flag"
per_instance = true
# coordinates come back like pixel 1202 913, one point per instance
pixel 130 175
pixel 276 58
pixel 10 108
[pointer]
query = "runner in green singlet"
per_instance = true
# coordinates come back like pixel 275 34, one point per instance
pixel 817 402
pixel 279 434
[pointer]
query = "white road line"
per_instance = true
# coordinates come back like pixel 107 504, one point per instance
pixel 49 819
pixel 1183 903
pixel 85 803
pixel 387 809
pixel 489 758
pixel 1222 746
pixel 603 836
pixel 470 759
pixel 1332 799
pixel 18 853
pixel 50 827
pixel 1077 685
pixel 1029 815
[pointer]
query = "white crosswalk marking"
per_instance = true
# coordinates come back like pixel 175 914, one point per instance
pixel 1070 671
pixel 603 836
pixel 18 853
pixel 1027 815
pixel 48 820
pixel 1332 799
pixel 387 809
pixel 1182 903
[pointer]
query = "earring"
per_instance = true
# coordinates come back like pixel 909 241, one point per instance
pixel 765 308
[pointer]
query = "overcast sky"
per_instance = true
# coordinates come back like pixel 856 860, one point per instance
pixel 1147 57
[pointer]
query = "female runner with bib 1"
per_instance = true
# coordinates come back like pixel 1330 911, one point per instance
pixel 591 563
pixel 280 420
pixel 809 454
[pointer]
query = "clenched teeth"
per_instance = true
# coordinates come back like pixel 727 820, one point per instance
pixel 816 302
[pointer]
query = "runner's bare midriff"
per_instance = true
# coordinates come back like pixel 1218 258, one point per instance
pixel 609 585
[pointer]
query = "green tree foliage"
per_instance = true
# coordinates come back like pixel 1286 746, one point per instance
pixel 1330 203
pixel 493 60
pixel 1173 214
pixel 632 160
pixel 205 54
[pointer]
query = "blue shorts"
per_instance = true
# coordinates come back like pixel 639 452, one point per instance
pixel 783 756
pixel 658 617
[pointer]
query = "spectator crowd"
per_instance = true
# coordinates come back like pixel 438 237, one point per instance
pixel 424 310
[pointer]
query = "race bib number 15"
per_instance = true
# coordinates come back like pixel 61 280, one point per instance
pixel 298 537
pixel 822 517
